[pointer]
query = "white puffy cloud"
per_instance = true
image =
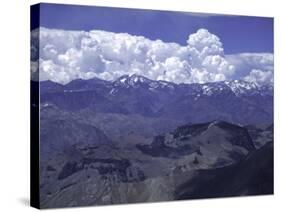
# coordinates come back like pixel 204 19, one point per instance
pixel 68 55
pixel 260 77
pixel 204 43
pixel 207 59
pixel 253 67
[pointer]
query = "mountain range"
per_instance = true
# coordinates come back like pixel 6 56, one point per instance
pixel 138 140
pixel 233 101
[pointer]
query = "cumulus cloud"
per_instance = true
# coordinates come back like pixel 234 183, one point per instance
pixel 253 67
pixel 68 55
pixel 260 77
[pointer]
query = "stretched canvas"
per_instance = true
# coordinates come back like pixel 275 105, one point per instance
pixel 133 105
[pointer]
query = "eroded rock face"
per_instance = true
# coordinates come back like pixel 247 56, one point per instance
pixel 110 173
pixel 142 140
pixel 121 168
pixel 215 143
pixel 243 178
pixel 234 180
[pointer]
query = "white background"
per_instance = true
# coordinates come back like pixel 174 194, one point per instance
pixel 14 103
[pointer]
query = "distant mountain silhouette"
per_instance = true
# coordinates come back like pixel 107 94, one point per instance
pixel 233 101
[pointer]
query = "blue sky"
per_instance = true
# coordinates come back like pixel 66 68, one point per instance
pixel 237 33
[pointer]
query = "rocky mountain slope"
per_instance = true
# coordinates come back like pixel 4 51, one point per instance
pixel 188 103
pixel 139 140
pixel 111 173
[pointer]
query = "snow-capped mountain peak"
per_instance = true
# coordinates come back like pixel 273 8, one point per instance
pixel 136 81
pixel 212 88
pixel 241 87
pixel 216 100
pixel 131 80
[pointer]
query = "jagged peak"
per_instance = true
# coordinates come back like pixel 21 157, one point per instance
pixel 237 87
pixel 132 79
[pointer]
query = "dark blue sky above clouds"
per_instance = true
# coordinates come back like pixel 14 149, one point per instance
pixel 237 33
